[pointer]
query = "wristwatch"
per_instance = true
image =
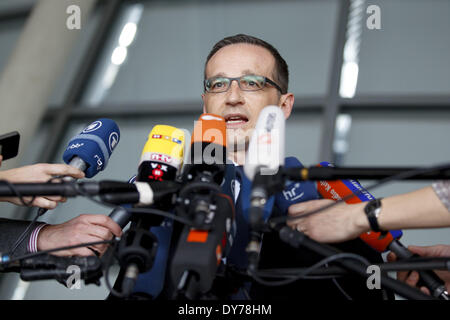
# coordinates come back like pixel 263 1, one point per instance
pixel 372 210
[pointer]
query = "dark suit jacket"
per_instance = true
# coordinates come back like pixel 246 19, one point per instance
pixel 10 231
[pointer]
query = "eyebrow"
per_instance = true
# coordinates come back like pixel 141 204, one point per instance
pixel 244 73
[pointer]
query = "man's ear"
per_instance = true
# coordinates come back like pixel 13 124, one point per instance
pixel 286 103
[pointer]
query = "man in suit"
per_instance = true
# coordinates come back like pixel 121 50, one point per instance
pixel 233 64
pixel 242 75
pixel 84 228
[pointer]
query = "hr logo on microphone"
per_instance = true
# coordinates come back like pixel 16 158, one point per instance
pixel 290 195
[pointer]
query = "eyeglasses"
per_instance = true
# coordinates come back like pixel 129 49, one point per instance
pixel 246 83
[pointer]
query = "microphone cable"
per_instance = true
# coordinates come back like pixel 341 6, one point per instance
pixel 304 273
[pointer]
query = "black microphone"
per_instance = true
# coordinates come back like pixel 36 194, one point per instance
pixel 115 192
pixel 200 249
pixel 367 173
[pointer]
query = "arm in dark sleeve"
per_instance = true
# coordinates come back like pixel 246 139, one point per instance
pixel 10 231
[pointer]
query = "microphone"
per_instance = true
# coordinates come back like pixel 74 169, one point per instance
pixel 339 189
pixel 295 191
pixel 115 192
pixel 161 159
pixel 199 250
pixel 90 150
pixel 120 214
pixel 162 155
pixel 208 150
pixel 380 241
pixel 264 158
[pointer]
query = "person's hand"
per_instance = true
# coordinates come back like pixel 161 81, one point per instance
pixel 82 229
pixel 337 224
pixel 41 172
pixel 1 159
pixel 426 251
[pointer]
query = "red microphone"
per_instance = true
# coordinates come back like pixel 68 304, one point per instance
pixel 340 189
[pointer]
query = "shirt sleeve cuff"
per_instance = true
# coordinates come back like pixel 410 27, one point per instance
pixel 32 242
pixel 442 190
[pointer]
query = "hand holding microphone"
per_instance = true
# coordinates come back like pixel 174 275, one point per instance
pixel 337 224
pixel 348 222
pixel 88 152
pixel 413 278
pixel 41 172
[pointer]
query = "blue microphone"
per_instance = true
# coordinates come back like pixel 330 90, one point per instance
pixel 90 150
pixel 295 192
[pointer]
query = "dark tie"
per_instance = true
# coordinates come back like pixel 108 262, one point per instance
pixel 238 256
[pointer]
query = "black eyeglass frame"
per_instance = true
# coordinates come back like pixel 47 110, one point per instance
pixel 266 80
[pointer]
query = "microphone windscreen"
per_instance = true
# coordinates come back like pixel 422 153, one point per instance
pixel 210 128
pixel 266 147
pixel 295 191
pixel 208 147
pixel 94 145
pixel 162 155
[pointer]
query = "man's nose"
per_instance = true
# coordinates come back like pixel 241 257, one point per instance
pixel 234 94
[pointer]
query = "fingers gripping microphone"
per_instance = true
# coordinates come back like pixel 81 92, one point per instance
pixel 339 189
pixel 199 250
pixel 264 157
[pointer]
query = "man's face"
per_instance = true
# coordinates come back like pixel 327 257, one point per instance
pixel 240 108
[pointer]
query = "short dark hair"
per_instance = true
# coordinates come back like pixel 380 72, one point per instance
pixel 281 75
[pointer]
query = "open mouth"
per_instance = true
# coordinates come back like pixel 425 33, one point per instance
pixel 235 120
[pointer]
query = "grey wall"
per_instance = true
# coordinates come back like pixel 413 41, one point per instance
pixel 173 41
pixel 410 54
pixel 398 139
